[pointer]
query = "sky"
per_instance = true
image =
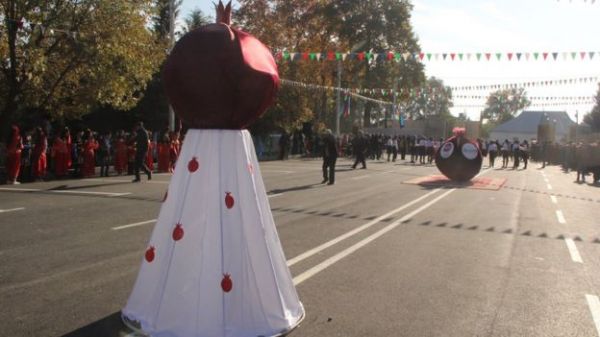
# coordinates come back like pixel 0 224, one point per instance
pixel 506 26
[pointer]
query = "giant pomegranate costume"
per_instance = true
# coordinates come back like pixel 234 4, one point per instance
pixel 458 158
pixel 214 265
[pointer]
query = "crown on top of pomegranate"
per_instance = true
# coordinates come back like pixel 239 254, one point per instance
pixel 223 13
pixel 219 77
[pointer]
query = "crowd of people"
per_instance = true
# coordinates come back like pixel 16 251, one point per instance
pixel 40 155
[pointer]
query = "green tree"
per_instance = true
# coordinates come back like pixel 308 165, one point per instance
pixel 593 117
pixel 196 19
pixel 435 99
pixel 503 105
pixel 80 54
pixel 339 26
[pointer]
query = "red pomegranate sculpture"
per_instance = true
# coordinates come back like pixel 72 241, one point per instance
pixel 458 158
pixel 219 77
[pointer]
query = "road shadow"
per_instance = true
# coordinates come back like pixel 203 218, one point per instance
pixel 69 188
pixel 293 189
pixel 109 326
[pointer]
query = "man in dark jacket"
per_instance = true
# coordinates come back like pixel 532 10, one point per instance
pixel 330 154
pixel 141 150
pixel 359 146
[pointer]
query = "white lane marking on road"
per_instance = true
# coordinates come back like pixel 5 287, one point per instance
pixel 12 210
pixel 277 171
pixel 561 217
pixel 274 195
pixel 594 304
pixel 110 194
pixel 549 186
pixel 361 177
pixel 343 237
pixel 20 189
pixel 573 250
pixel 133 225
pixel 554 200
pixel 125 181
pixel 337 257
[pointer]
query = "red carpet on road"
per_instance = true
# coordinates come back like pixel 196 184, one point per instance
pixel 480 183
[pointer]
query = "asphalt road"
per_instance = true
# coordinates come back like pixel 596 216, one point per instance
pixel 523 260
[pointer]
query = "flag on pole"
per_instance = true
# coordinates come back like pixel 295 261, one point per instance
pixel 347 105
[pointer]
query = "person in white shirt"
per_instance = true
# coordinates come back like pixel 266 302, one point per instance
pixel 493 152
pixel 505 153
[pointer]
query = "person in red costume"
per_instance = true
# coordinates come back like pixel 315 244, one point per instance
pixel 150 154
pixel 60 156
pixel 69 144
pixel 89 154
pixel 39 160
pixel 120 153
pixel 164 155
pixel 174 149
pixel 15 146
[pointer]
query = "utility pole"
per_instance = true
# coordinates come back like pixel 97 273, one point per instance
pixel 171 45
pixel 338 112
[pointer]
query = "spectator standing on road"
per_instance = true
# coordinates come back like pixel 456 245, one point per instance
pixel 505 153
pixel 164 154
pixel 359 146
pixel 516 154
pixel 104 153
pixel 524 150
pixel 493 152
pixel 330 153
pixel 39 160
pixel 14 149
pixel 60 156
pixel 120 146
pixel 284 142
pixel 141 150
pixel 402 147
pixel 89 154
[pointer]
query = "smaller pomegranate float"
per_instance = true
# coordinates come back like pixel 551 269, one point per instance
pixel 459 158
pixel 214 265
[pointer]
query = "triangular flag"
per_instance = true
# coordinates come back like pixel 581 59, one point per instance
pixel 527 56
pixel 535 55
pixel 498 56
pixel 460 56
pixel 573 55
pixel 428 56
pixel 519 56
pixel 313 56
pixel 330 56
pixel 591 54
pixel 305 56
pixel 390 56
pixel 361 56
pixel 286 55
pixel 444 56
pixel 421 56
pixel 554 55
pixel 488 55
pixel 582 55
pixel 338 56
pixel 545 55
pixel 565 55
pixel 510 55
pixel 452 56
pixel 405 56
pixel 468 56
pixel 397 56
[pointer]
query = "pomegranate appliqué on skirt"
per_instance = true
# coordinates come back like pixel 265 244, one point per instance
pixel 149 254
pixel 178 232
pixel 229 201
pixel 193 165
pixel 227 283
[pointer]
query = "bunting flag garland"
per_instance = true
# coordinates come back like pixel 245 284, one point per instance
pixel 533 104
pixel 344 91
pixel 391 56
pixel 544 83
pixel 534 98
